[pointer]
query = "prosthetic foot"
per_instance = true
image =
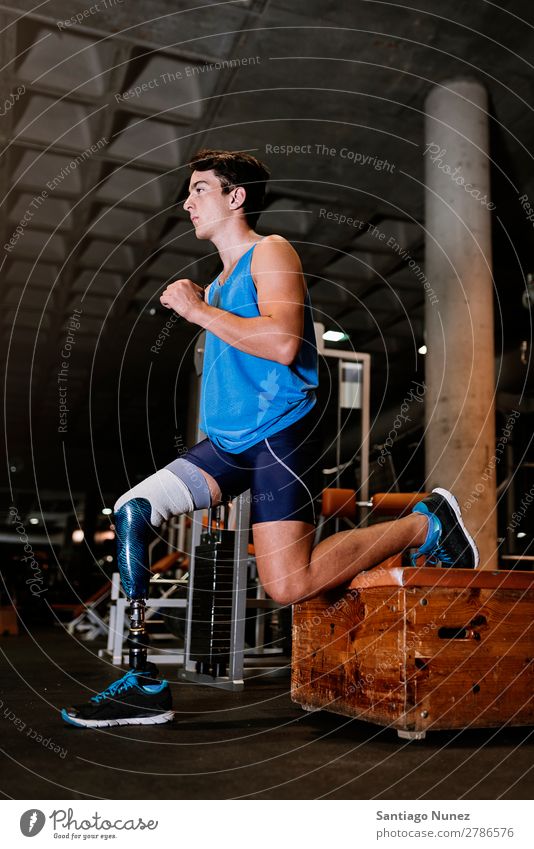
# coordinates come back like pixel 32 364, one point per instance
pixel 132 700
pixel 138 643
pixel 138 698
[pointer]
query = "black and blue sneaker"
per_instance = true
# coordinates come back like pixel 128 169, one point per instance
pixel 132 700
pixel 448 541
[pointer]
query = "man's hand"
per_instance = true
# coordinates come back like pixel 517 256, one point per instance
pixel 184 297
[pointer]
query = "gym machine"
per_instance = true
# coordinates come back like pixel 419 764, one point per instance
pixel 352 391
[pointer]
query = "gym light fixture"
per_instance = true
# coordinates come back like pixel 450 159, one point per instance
pixel 334 336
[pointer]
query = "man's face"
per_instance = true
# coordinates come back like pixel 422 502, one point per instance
pixel 207 206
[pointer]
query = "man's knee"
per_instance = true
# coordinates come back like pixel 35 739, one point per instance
pixel 287 590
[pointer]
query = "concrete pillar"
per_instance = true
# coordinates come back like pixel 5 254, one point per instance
pixel 460 409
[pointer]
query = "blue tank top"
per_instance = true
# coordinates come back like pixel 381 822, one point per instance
pixel 245 399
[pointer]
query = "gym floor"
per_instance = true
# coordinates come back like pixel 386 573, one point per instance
pixel 255 744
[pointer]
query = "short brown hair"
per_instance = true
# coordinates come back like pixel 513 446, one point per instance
pixel 234 168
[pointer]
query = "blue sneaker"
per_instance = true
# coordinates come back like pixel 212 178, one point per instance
pixel 132 700
pixel 448 541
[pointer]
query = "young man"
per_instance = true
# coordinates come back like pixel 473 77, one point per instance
pixel 258 409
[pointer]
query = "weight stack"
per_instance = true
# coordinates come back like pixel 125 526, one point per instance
pixel 212 602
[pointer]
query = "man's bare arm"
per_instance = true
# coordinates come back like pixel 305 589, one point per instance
pixel 276 334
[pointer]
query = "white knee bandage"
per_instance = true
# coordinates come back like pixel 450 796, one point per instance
pixel 167 494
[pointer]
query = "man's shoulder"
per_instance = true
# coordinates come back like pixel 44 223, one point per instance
pixel 276 265
pixel 273 240
pixel 274 248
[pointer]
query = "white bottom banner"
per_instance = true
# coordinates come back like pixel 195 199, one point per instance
pixel 231 824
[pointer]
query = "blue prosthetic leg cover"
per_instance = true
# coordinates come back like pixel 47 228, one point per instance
pixel 133 529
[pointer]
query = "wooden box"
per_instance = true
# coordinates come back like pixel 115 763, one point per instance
pixel 419 649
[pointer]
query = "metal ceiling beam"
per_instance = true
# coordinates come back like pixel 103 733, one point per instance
pixel 163 31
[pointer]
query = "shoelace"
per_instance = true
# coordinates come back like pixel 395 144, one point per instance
pixel 439 555
pixel 124 683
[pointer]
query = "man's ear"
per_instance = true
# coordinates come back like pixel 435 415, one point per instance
pixel 237 197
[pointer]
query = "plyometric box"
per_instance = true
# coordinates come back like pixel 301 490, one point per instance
pixel 419 649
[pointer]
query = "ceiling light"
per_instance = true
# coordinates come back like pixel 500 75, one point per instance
pixel 422 349
pixel 34 521
pixel 107 511
pixel 521 534
pixel 77 535
pixel 334 336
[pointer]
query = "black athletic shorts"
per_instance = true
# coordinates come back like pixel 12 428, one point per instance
pixel 283 472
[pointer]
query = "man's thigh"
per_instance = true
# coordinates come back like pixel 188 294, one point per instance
pixel 227 474
pixel 285 478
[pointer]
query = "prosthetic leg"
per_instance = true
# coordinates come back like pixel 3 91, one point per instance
pixel 138 698
pixel 179 488
pixel 134 531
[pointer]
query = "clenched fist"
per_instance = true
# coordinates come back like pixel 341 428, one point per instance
pixel 184 297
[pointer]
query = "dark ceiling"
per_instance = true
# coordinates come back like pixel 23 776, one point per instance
pixel 103 105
